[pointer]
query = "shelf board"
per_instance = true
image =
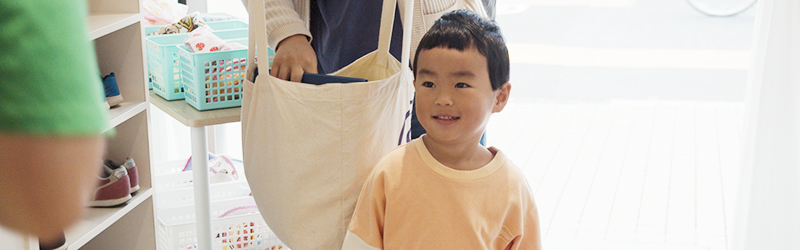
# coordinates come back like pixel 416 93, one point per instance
pixel 124 111
pixel 189 116
pixel 101 25
pixel 95 220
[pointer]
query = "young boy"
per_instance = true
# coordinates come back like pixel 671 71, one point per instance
pixel 444 190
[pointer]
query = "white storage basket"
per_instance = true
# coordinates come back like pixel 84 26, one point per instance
pixel 176 197
pixel 170 175
pixel 177 231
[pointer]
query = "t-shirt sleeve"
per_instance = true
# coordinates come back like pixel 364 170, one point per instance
pixel 366 226
pixel 50 84
pixel 530 237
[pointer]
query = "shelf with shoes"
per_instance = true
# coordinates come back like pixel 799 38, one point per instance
pixel 115 54
pixel 125 111
pixel 96 220
pixel 117 32
pixel 102 227
pixel 131 139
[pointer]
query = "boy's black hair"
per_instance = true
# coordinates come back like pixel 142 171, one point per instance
pixel 463 29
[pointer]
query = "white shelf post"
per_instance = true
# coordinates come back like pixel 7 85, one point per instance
pixel 201 190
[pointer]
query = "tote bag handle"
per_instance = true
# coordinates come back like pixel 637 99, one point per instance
pixel 258 32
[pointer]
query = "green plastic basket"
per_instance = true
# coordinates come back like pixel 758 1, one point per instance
pixel 163 61
pixel 215 25
pixel 214 80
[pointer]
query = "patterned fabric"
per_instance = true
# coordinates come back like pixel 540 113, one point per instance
pixel 187 24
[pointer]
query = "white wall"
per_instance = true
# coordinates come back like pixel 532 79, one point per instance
pixel 768 206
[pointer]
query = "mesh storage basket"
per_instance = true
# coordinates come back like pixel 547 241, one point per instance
pixel 163 61
pixel 235 224
pixel 217 191
pixel 215 25
pixel 214 80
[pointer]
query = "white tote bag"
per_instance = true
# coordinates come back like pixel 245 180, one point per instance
pixel 309 148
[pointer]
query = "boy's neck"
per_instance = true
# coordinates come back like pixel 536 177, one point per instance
pixel 463 156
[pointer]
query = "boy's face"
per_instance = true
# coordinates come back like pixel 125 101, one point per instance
pixel 454 96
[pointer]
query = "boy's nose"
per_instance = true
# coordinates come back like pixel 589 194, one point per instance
pixel 444 100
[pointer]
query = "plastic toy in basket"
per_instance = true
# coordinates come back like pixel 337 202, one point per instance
pixel 221 167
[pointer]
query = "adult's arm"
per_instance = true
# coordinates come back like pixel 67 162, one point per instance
pixel 46 181
pixel 51 116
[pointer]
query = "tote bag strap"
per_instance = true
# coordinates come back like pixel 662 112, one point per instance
pixel 387 22
pixel 258 32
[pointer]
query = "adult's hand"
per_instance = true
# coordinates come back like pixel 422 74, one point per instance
pixel 293 57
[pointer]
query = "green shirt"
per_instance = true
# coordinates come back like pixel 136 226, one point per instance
pixel 49 79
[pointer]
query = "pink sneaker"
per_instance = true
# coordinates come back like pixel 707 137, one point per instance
pixel 133 173
pixel 113 188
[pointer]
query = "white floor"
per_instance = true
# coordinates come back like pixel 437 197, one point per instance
pixel 626 174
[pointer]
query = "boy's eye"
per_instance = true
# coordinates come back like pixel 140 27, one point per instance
pixel 428 84
pixel 462 85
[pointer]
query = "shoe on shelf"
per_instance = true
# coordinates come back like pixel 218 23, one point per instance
pixel 113 188
pixel 105 102
pixel 130 167
pixel 58 244
pixel 113 97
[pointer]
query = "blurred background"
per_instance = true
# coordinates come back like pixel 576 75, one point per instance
pixel 625 116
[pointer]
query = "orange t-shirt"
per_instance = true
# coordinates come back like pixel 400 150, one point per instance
pixel 411 201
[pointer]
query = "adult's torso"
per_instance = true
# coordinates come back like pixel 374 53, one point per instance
pixel 345 30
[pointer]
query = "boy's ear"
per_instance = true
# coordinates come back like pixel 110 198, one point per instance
pixel 501 97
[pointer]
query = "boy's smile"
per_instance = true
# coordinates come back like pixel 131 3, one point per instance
pixel 454 96
pixel 445 119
